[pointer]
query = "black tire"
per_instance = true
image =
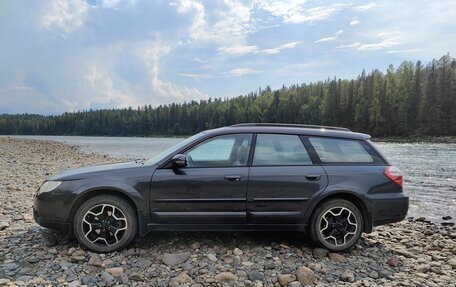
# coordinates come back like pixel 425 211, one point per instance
pixel 108 232
pixel 333 232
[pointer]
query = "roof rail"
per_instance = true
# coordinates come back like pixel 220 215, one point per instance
pixel 291 126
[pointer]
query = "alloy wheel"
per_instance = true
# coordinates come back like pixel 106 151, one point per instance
pixel 338 225
pixel 104 224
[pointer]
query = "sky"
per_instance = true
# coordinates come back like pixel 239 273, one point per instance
pixel 69 55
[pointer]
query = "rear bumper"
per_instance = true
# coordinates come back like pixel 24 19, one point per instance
pixel 389 209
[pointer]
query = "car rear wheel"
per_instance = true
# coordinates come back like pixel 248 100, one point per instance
pixel 336 225
pixel 105 223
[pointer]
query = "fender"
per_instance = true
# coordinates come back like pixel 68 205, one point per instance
pixel 350 195
pixel 140 203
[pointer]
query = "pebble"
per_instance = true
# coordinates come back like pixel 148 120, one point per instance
pixel 320 253
pixel 183 277
pixel 389 256
pixel 226 276
pixel 306 276
pixel 423 268
pixel 237 252
pixel 285 279
pixel 175 259
pixel 115 271
pixel 393 262
pixel 452 262
pixel 337 257
pixel 347 276
pixel 211 257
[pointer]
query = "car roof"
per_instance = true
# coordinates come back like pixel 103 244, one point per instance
pixel 308 130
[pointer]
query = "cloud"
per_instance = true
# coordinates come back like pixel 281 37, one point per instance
pixel 163 89
pixel 244 50
pixel 294 11
pixel 290 45
pixel 238 50
pixel 99 79
pixel 363 8
pixel 354 22
pixel 404 51
pixel 374 46
pixel 242 71
pixel 194 76
pixel 231 24
pixel 332 38
pixel 200 60
pixel 65 15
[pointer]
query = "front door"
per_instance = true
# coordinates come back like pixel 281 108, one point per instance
pixel 282 180
pixel 211 189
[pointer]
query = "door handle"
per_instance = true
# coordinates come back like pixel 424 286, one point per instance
pixel 233 178
pixel 313 177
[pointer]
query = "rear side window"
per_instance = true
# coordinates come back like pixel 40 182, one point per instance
pixel 273 149
pixel 340 151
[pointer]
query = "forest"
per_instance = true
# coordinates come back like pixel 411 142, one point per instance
pixel 412 99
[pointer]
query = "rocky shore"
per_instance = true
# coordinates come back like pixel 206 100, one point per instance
pixel 415 252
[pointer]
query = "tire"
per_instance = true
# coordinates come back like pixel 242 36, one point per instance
pixel 113 223
pixel 336 224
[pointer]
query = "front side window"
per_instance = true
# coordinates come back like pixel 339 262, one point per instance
pixel 340 151
pixel 221 151
pixel 273 149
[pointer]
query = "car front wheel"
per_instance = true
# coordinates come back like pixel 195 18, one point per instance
pixel 105 223
pixel 336 225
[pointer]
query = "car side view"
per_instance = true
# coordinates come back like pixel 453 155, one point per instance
pixel 327 181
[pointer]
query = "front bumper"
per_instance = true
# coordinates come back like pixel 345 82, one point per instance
pixel 51 212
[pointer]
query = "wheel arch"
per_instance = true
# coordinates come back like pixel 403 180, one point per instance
pixel 351 197
pixel 86 195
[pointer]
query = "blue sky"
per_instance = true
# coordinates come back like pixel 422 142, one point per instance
pixel 59 56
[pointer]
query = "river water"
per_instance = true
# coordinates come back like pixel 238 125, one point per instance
pixel 429 168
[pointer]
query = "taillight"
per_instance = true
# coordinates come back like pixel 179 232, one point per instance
pixel 394 174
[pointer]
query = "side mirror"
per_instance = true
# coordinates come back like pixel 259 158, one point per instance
pixel 179 161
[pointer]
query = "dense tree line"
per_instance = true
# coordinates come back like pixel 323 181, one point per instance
pixel 410 100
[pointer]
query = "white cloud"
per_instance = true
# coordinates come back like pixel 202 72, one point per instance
pixel 200 60
pixel 231 24
pixel 357 44
pixel 362 8
pixel 238 50
pixel 332 38
pixel 194 76
pixel 100 80
pixel 162 89
pixel 65 15
pixel 290 45
pixel 242 71
pixel 295 12
pixel 354 22
pixel 270 51
pixel 404 51
pixel 375 46
pixel 244 50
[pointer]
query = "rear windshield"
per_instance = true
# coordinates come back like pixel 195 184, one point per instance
pixel 340 151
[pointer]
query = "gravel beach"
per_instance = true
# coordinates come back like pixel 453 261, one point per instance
pixel 415 252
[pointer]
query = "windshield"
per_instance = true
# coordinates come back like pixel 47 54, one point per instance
pixel 173 149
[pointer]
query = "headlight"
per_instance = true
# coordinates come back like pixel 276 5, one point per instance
pixel 48 186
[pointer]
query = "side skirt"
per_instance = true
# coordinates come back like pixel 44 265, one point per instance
pixel 227 227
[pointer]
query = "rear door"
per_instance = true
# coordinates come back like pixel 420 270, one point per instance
pixel 282 180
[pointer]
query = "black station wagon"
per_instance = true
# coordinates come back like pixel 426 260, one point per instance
pixel 327 181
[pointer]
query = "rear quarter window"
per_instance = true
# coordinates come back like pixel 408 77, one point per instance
pixel 340 151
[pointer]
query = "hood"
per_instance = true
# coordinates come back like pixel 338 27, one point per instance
pixel 95 170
